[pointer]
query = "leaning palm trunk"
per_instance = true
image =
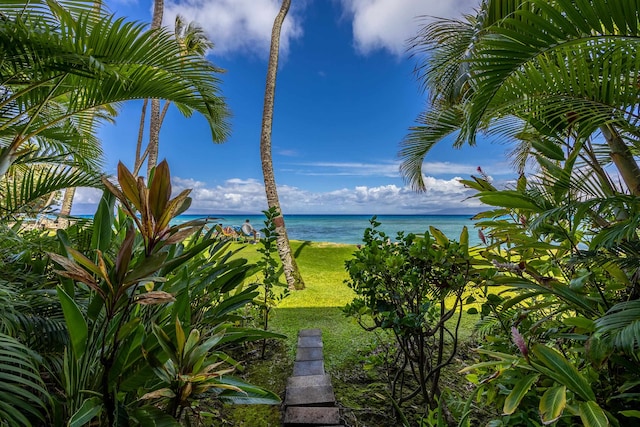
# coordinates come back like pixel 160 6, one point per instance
pixel 622 158
pixel 291 271
pixel 67 204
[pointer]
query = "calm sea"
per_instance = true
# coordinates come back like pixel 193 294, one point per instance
pixel 350 228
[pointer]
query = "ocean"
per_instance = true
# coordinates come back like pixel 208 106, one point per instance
pixel 350 228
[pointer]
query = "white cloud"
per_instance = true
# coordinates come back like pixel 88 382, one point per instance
pixel 388 24
pixel 237 25
pixel 247 196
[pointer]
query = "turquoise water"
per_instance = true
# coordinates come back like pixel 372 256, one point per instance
pixel 350 228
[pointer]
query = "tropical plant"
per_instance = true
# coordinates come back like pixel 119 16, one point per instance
pixel 24 398
pixel 564 280
pixel 269 269
pixel 289 265
pixel 193 369
pixel 129 290
pixel 414 287
pixel 555 67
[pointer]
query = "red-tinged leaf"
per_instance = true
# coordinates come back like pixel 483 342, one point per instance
pixel 154 297
pixel 73 270
pixel 160 190
pixel 180 235
pixel 84 261
pixel 129 186
pixel 172 208
pixel 124 255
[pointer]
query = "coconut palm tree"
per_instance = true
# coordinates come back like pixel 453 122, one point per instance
pixel 566 66
pixel 192 41
pixel 290 267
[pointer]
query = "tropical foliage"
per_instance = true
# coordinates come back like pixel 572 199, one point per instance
pixel 134 327
pixel 63 65
pixel 415 287
pixel 559 314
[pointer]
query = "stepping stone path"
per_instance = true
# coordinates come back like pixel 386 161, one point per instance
pixel 309 399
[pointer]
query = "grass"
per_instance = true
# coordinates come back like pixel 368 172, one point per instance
pixel 320 304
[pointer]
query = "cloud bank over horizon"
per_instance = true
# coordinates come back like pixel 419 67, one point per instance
pixel 247 196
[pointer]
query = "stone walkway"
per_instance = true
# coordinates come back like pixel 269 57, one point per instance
pixel 309 399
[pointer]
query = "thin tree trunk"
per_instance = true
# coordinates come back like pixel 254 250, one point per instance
pixel 623 159
pixel 154 136
pixel 154 124
pixel 290 267
pixel 137 164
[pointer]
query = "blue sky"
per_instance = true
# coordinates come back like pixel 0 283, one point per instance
pixel 345 98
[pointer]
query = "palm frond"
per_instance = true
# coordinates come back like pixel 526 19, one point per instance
pixel 17 196
pixel 435 125
pixel 621 326
pixel 23 394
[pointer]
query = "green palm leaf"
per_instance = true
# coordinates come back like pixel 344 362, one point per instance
pixel 621 326
pixel 22 394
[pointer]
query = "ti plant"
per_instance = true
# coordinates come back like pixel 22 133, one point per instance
pixel 111 327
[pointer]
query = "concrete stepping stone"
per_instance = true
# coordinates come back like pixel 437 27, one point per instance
pixel 309 353
pixel 309 332
pixel 308 367
pixel 300 416
pixel 310 396
pixel 310 341
pixel 309 381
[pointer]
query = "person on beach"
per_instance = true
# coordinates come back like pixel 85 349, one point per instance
pixel 248 230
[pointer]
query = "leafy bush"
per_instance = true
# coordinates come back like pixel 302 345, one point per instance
pixel 414 287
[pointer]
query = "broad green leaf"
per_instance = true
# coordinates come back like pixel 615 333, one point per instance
pixel 145 268
pixel 464 240
pixel 519 390
pixel 150 416
pixel 90 409
pixel 632 413
pixel 508 199
pixel 103 222
pixel 562 371
pixel 580 322
pixel 552 404
pixel 76 323
pixel 439 236
pixel 180 337
pixel 592 415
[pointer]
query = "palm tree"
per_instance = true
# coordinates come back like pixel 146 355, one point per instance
pixel 192 41
pixel 60 64
pixel 559 68
pixel 290 267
